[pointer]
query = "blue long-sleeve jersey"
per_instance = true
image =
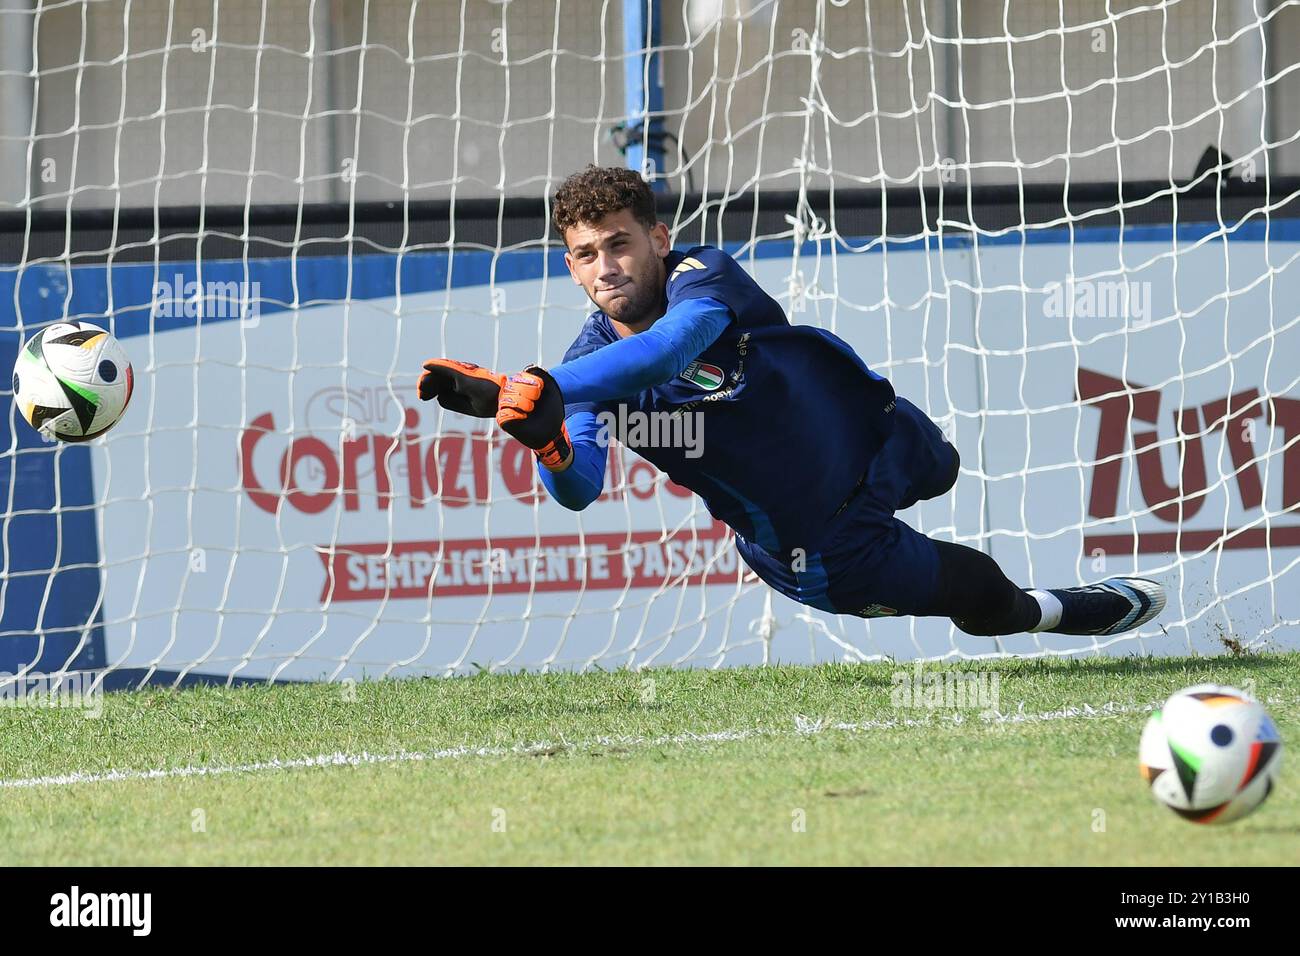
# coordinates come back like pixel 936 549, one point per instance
pixel 791 416
pixel 625 367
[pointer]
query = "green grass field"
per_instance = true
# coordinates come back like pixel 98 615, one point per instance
pixel 784 765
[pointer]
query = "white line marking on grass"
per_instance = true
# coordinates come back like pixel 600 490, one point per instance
pixel 800 726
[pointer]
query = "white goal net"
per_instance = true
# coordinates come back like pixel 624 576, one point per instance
pixel 1067 231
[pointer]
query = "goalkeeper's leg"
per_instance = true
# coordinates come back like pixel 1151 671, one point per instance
pixel 972 590
pixel 874 565
pixel 880 567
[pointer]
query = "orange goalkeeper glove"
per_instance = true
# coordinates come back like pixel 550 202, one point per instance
pixel 461 387
pixel 531 409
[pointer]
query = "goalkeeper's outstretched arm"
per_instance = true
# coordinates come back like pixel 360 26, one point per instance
pixel 582 478
pixel 531 405
pixel 647 359
pixel 571 455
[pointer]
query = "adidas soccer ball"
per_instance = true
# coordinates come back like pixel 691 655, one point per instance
pixel 72 381
pixel 1210 754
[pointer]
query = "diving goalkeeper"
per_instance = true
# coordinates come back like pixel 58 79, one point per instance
pixel 808 453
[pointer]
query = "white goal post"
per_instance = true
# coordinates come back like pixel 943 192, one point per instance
pixel 1068 231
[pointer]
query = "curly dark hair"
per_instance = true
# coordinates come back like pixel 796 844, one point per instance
pixel 597 191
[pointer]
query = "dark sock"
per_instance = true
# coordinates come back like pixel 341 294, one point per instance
pixel 979 598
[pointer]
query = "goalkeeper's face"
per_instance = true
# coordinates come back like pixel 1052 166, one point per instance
pixel 619 263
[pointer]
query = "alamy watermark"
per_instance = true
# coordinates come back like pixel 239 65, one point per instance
pixel 945 689
pixel 78 690
pixel 1098 299
pixel 77 908
pixel 638 429
pixel 178 297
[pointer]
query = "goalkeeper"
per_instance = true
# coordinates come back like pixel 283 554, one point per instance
pixel 807 455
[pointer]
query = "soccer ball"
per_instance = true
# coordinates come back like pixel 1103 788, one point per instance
pixel 72 381
pixel 1210 754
